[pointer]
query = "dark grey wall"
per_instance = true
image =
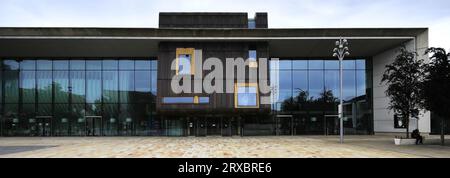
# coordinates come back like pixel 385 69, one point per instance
pixel 203 20
pixel 261 20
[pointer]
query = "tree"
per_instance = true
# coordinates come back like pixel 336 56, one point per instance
pixel 327 96
pixel 436 86
pixel 403 78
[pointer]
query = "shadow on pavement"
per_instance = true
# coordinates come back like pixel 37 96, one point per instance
pixel 4 150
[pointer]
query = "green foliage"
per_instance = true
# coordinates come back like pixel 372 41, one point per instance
pixel 436 86
pixel 303 99
pixel 404 79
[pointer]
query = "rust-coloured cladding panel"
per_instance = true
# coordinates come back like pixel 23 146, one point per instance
pixel 218 101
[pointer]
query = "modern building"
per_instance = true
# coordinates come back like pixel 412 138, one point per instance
pixel 118 81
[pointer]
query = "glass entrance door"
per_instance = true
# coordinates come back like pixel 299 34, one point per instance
pixel 284 125
pixel 191 127
pixel 227 127
pixel 200 127
pixel 41 126
pixel 213 126
pixel 94 126
pixel 331 125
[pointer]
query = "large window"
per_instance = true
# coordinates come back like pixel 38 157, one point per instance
pixel 67 90
pixel 184 64
pixel 185 61
pixel 246 95
pixel 310 87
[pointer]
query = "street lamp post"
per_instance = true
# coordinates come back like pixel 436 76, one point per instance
pixel 340 51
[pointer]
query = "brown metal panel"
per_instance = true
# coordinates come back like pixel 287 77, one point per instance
pixel 222 50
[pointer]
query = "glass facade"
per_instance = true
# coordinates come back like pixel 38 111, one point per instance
pixel 78 97
pixel 306 92
pixel 117 97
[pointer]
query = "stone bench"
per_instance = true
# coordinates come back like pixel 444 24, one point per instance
pixel 405 141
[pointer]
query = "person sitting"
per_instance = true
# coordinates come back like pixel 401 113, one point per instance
pixel 416 134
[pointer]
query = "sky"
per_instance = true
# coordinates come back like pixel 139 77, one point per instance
pixel 434 14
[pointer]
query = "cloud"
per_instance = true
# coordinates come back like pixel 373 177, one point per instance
pixel 282 13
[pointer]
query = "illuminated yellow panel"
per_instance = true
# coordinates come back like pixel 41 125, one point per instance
pixel 186 51
pixel 196 100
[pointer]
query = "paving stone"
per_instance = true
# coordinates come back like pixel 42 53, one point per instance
pixel 216 147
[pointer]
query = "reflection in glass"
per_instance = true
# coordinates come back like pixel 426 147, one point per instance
pixel 93 109
pixel 285 64
pixel 110 64
pixel 127 112
pixel 78 122
pixel 93 87
pixel 111 119
pixel 44 86
pixel 252 55
pixel 299 64
pixel 61 64
pixel 360 64
pixel 28 65
pixel 1 92
pixel 360 83
pixel 106 80
pixel 10 65
pixel 349 85
pixel 44 65
pixel 44 110
pixel 331 64
pixel 77 65
pixel 332 82
pixel 93 65
pixel 126 64
pixel 178 100
pixel 184 64
pixel 28 111
pixel 77 84
pixel 11 120
pixel 61 84
pixel 154 64
pixel 300 81
pixel 154 82
pixel 11 86
pixel 143 87
pixel 348 64
pixel 61 120
pixel 143 64
pixel 110 87
pixel 316 83
pixel 315 64
pixel 28 86
pixel 247 96
pixel 126 86
pixel 284 87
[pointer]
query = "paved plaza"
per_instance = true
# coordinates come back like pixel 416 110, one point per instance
pixel 213 147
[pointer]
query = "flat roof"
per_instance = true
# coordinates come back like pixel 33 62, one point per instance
pixel 221 32
pixel 143 42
